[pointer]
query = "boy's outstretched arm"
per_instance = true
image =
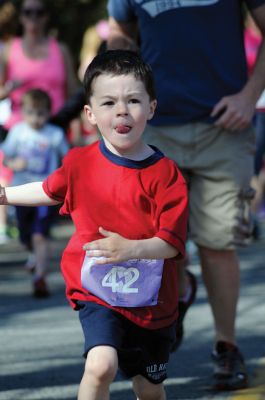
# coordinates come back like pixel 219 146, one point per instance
pixel 115 248
pixel 30 194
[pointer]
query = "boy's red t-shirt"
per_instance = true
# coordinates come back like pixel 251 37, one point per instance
pixel 136 199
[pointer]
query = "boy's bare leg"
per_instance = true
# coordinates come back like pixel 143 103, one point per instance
pixel 100 370
pixel 146 390
pixel 40 248
pixel 220 272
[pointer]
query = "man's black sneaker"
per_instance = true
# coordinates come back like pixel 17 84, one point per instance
pixel 229 368
pixel 183 307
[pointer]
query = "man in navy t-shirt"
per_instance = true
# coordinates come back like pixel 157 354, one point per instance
pixel 205 107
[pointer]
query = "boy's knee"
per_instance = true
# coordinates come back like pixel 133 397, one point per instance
pixel 38 238
pixel 146 390
pixel 101 364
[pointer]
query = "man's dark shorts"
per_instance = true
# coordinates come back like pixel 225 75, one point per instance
pixel 140 351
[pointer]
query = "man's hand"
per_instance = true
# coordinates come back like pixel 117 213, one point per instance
pixel 113 248
pixel 236 112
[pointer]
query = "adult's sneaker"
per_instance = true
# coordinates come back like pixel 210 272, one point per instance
pixel 40 289
pixel 183 307
pixel 229 368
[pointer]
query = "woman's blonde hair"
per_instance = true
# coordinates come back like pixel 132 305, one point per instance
pixel 8 20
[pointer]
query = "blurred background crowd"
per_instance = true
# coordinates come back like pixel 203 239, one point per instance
pixel 25 38
pixel 37 49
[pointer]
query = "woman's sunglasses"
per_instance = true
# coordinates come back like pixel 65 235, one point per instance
pixel 33 12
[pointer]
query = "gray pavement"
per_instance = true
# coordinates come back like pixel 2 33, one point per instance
pixel 41 339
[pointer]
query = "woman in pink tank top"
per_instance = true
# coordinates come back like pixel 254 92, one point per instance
pixel 48 74
pixel 36 61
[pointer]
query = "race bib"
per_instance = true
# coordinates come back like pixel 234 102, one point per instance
pixel 133 283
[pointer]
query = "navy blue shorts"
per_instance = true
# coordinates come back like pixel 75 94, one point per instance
pixel 32 220
pixel 140 351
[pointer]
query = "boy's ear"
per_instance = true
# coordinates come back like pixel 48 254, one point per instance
pixel 89 114
pixel 153 104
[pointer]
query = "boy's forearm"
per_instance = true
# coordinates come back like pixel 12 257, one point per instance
pixel 116 248
pixel 3 199
pixel 154 248
pixel 30 194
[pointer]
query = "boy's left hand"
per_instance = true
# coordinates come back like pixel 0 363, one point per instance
pixel 113 248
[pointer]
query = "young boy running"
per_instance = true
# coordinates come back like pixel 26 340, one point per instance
pixel 128 203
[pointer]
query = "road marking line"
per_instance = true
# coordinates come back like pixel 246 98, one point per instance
pixel 257 389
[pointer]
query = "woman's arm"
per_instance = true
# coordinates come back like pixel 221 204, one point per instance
pixel 6 87
pixel 4 90
pixel 122 35
pixel 30 194
pixel 72 82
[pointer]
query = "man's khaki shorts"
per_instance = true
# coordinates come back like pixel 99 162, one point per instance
pixel 218 166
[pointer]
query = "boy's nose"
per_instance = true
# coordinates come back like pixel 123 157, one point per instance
pixel 121 109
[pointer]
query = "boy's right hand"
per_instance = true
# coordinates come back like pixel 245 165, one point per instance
pixel 112 248
pixel 17 164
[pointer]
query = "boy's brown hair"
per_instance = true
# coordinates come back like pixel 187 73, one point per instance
pixel 119 62
pixel 37 98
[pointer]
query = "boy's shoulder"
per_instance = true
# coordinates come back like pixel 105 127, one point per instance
pixel 53 129
pixel 81 153
pixel 18 132
pixel 166 164
pixel 166 172
pixel 18 125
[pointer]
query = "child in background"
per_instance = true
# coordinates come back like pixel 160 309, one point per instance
pixel 128 203
pixel 33 150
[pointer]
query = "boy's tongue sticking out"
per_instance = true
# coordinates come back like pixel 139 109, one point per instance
pixel 122 128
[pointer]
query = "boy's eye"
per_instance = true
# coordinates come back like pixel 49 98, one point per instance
pixel 134 101
pixel 108 103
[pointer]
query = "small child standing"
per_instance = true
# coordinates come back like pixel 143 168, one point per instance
pixel 128 203
pixel 33 149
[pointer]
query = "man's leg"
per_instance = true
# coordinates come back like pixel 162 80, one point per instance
pixel 221 276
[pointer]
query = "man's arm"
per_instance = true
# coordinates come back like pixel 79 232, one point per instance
pixel 30 194
pixel 239 109
pixel 122 35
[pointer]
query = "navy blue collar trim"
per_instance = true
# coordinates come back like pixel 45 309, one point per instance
pixel 127 162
